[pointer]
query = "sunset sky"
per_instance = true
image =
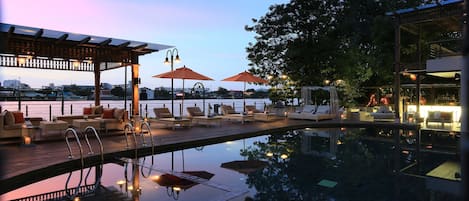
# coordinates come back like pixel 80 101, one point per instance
pixel 209 35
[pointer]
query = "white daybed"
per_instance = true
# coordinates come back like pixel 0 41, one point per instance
pixel 314 110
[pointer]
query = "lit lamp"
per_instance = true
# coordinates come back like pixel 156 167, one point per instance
pixel 76 64
pixel 174 192
pixel 137 124
pixel 120 183
pixel 21 60
pixel 27 140
pixel 167 61
pixel 284 156
pixel 24 132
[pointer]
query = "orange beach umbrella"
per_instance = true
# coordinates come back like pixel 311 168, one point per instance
pixel 183 73
pixel 246 77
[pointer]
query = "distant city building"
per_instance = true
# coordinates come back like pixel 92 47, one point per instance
pixel 146 93
pixel 106 86
pixel 11 83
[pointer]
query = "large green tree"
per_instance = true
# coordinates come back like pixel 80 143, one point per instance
pixel 316 40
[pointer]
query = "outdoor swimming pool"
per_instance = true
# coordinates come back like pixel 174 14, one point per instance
pixel 307 164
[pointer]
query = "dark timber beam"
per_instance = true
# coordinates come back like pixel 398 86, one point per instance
pixel 85 40
pixel 123 45
pixel 11 30
pixel 106 42
pixel 61 38
pixel 142 46
pixel 38 34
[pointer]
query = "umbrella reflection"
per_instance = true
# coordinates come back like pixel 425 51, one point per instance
pixel 245 166
pixel 175 184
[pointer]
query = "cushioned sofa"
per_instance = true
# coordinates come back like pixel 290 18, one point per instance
pixel 113 119
pixel 90 112
pixel 110 118
pixel 11 124
pixel 384 113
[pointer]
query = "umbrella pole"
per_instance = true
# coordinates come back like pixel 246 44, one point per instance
pixel 244 98
pixel 182 101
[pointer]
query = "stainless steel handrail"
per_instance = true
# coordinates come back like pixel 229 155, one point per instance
pixel 147 126
pixel 70 156
pixel 98 168
pixel 130 127
pixel 91 129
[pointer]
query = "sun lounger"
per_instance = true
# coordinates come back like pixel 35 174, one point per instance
pixel 198 117
pixel 229 113
pixel 164 116
pixel 261 115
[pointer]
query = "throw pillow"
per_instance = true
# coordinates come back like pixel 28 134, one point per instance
pixel 97 109
pixel 308 108
pixel 9 118
pixel 108 113
pixel 19 118
pixel 323 109
pixel 118 113
pixel 87 110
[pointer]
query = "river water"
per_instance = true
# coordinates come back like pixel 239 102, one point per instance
pixel 48 109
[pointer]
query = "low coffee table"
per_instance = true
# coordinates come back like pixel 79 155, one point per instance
pixel 57 125
pixel 81 124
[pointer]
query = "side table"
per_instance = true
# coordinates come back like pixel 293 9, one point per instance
pixel 46 126
pixel 81 124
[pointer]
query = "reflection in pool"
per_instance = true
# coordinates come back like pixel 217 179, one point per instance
pixel 307 164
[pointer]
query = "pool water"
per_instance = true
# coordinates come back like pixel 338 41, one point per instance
pixel 309 164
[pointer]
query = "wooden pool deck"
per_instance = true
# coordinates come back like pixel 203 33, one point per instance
pixel 22 165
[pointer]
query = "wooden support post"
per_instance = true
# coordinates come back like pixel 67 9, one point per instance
pixel 135 92
pixel 397 67
pixel 97 84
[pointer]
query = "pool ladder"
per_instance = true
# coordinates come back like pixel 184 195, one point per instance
pixel 143 125
pixel 131 128
pixel 99 168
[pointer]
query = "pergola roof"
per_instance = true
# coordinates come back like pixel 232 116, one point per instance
pixel 58 50
pixel 443 15
pixel 425 7
pixel 438 25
